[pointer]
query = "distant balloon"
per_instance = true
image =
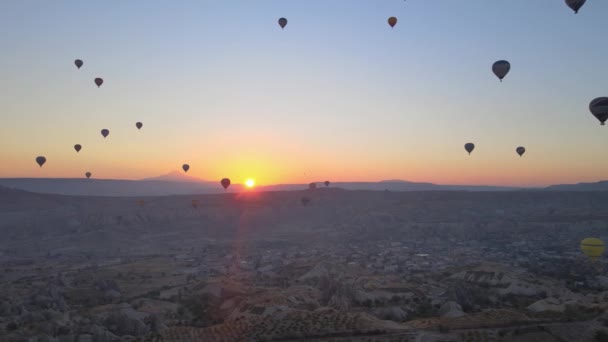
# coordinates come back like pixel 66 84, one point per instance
pixel 105 132
pixel 40 160
pixel 326 183
pixel 501 69
pixel 186 167
pixel 141 203
pixel 305 201
pixel 282 22
pixel 225 183
pixel 98 81
pixel 392 21
pixel 312 186
pixel 469 147
pixel 88 174
pixel 575 5
pixel 139 125
pixel 520 150
pixel 78 63
pixel 77 147
pixel 599 109
pixel 592 247
pixel 194 203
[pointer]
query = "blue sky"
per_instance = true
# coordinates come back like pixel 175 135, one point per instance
pixel 338 94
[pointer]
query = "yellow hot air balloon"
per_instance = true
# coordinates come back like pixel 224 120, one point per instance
pixel 592 247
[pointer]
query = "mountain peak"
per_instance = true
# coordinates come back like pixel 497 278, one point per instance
pixel 175 176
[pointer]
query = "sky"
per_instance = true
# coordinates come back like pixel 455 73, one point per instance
pixel 337 95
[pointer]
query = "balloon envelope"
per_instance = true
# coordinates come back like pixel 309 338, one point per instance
pixel 194 203
pixel 599 108
pixel 282 22
pixel 225 183
pixel 575 5
pixel 139 125
pixel 40 160
pixel 98 82
pixel 592 247
pixel 520 150
pixel 392 21
pixel 88 174
pixel 77 147
pixel 78 63
pixel 305 201
pixel 312 186
pixel 469 147
pixel 186 167
pixel 105 132
pixel 501 69
pixel 326 183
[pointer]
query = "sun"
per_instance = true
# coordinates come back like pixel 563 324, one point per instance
pixel 250 182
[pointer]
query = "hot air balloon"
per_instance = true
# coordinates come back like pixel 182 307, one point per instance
pixel 575 5
pixel 501 69
pixel 186 167
pixel 78 63
pixel 592 247
pixel 599 109
pixel 469 147
pixel 139 125
pixel 326 183
pixel 88 174
pixel 105 132
pixel 392 21
pixel 141 203
pixel 40 160
pixel 225 183
pixel 520 150
pixel 77 147
pixel 98 81
pixel 312 186
pixel 194 203
pixel 305 201
pixel 282 22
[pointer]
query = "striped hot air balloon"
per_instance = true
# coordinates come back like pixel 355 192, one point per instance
pixel 592 247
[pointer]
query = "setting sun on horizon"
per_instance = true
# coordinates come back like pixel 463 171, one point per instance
pixel 250 182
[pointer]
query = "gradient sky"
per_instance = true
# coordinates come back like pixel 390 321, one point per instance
pixel 337 95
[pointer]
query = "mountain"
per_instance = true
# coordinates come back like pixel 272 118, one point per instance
pixel 113 187
pixel 172 184
pixel 176 176
pixel 597 186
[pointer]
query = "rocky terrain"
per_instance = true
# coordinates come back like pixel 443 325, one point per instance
pixel 349 266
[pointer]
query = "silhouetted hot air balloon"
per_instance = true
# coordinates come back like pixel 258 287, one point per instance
pixel 501 69
pixel 282 22
pixel 326 183
pixel 77 147
pixel 599 109
pixel 139 125
pixel 575 5
pixel 40 160
pixel 78 63
pixel 312 186
pixel 392 21
pixel 592 247
pixel 305 201
pixel 521 150
pixel 194 203
pixel 225 183
pixel 186 167
pixel 105 132
pixel 98 81
pixel 88 175
pixel 469 147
